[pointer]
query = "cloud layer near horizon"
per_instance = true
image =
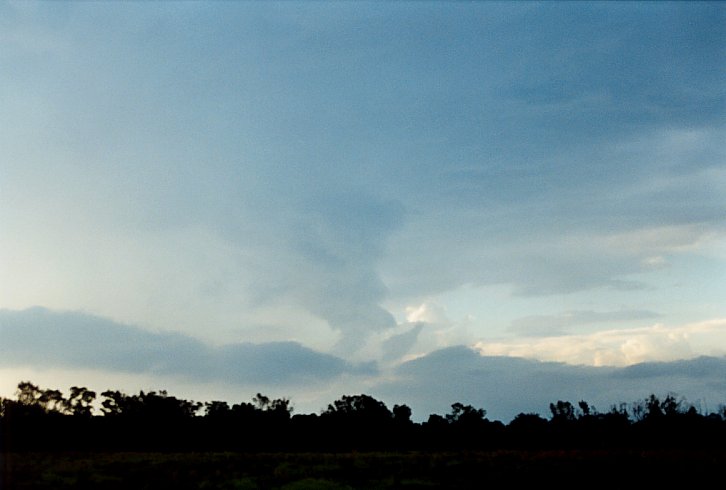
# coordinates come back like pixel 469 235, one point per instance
pixel 42 338
pixel 503 385
pixel 506 386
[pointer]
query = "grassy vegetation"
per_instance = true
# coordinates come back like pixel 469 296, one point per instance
pixel 365 470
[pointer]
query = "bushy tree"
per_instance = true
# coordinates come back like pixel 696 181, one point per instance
pixel 150 405
pixel 465 414
pixel 402 414
pixel 28 394
pixel 360 407
pixel 562 411
pixel 80 401
pixel 217 409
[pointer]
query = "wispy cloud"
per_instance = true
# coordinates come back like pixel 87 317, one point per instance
pixel 555 325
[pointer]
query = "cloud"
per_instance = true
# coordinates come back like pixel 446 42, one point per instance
pixel 427 312
pixel 506 386
pixel 619 347
pixel 78 343
pixel 282 362
pixel 43 338
pixel 703 367
pixel 399 345
pixel 320 252
pixel 556 325
pixel 161 181
pixel 557 246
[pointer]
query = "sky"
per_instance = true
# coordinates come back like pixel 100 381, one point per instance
pixel 500 204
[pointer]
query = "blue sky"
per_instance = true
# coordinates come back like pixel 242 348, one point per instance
pixel 350 191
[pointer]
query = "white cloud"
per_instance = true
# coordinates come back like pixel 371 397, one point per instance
pixel 618 347
pixel 439 329
pixel 427 312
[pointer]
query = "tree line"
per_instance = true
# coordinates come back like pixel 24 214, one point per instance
pixel 45 419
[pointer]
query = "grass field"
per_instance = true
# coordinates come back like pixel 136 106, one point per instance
pixel 372 470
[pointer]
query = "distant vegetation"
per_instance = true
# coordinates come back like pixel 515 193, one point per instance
pixel 46 420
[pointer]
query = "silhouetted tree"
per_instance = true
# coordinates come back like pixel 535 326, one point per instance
pixel 562 412
pixel 28 394
pixel 653 407
pixel 217 409
pixel 585 408
pixel 261 401
pixel 52 401
pixel 401 414
pixel 527 430
pixel 281 407
pixel 436 421
pixel 359 407
pixel 162 405
pixel 434 431
pixel 31 401
pixel 42 419
pixel 117 403
pixel 465 414
pixel 671 406
pixel 80 401
pixel 357 421
pixel 151 404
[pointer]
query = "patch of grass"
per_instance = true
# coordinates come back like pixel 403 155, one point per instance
pixel 315 484
pixel 359 470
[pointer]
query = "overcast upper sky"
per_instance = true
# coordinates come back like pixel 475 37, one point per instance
pixel 317 199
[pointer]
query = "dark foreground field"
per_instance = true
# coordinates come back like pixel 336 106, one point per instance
pixel 366 470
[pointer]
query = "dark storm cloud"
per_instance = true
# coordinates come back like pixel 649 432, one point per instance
pixel 40 337
pixel 506 386
pixel 702 367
